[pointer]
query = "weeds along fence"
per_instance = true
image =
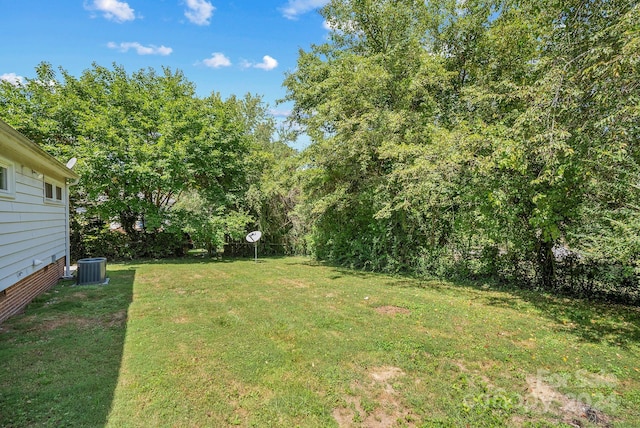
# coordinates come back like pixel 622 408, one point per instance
pixel 598 279
pixel 246 249
pixel 573 276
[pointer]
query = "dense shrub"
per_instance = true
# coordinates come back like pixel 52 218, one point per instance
pixel 574 274
pixel 97 240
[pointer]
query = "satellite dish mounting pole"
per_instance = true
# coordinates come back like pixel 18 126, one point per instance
pixel 255 237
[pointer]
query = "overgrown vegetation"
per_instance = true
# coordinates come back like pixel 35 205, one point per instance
pixel 290 342
pixel 476 138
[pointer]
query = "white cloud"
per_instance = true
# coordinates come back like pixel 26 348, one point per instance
pixel 113 10
pixel 140 49
pixel 12 78
pixel 199 11
pixel 217 60
pixel 280 113
pixel 295 8
pixel 268 63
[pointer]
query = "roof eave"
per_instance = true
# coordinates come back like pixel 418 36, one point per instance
pixel 24 149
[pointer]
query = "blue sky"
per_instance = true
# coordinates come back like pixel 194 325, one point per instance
pixel 230 47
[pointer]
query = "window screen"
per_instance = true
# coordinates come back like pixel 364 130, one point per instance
pixel 48 190
pixel 4 178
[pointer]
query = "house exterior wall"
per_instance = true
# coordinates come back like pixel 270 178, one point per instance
pixel 14 299
pixel 32 227
pixel 33 220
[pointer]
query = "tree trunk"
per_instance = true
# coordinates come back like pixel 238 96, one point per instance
pixel 128 221
pixel 546 266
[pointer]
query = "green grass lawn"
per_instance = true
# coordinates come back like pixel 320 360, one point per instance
pixel 289 342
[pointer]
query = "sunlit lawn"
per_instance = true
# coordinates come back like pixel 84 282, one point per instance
pixel 289 342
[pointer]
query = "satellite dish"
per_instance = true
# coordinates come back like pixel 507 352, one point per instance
pixel 254 236
pixel 72 163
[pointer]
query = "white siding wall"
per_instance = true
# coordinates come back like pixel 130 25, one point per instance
pixel 30 228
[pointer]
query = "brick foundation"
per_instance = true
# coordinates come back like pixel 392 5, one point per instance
pixel 14 299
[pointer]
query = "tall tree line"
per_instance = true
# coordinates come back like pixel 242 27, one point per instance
pixel 486 137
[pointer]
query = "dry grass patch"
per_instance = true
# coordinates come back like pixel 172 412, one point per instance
pixel 55 323
pixel 117 319
pixel 392 310
pixel 295 283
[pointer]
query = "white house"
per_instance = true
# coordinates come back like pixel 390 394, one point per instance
pixel 34 220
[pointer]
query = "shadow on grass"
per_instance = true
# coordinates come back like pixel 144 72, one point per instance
pixel 61 357
pixel 340 271
pixel 591 321
pixel 200 259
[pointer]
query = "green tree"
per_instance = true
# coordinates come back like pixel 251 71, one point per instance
pixel 209 226
pixel 360 97
pixel 582 125
pixel 143 140
pixel 447 128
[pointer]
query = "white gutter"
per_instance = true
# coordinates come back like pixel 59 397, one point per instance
pixel 23 150
pixel 67 273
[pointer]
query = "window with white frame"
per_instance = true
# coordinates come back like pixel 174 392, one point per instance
pixel 4 179
pixel 7 178
pixel 53 192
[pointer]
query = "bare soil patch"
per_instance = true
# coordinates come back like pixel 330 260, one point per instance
pixel 389 411
pixel 385 374
pixel 573 411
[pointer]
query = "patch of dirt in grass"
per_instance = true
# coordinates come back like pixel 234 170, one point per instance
pixel 392 310
pixel 117 319
pixel 527 344
pixel 388 410
pixel 573 412
pixel 52 324
pixel 344 416
pixel 80 295
pixel 240 396
pixel 385 374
